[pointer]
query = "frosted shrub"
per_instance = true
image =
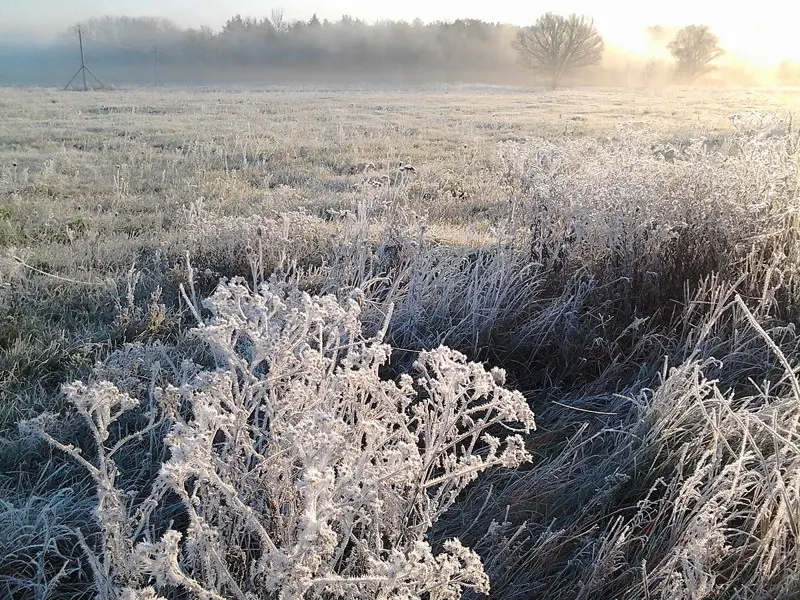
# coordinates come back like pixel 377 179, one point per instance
pixel 301 470
pixel 657 216
pixel 252 244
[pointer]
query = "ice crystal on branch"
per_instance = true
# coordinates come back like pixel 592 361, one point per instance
pixel 301 471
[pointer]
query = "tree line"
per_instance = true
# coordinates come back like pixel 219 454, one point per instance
pixel 349 43
pixel 559 50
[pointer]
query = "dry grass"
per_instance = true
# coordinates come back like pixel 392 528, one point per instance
pixel 580 239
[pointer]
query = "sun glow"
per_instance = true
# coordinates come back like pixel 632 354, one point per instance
pixel 761 47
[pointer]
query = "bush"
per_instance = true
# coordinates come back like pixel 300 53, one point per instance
pixel 299 471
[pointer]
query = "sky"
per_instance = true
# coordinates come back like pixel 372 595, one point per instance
pixel 764 35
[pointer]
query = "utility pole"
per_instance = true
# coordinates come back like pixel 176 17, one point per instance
pixel 83 70
pixel 83 61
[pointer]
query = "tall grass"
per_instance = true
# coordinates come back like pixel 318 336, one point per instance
pixel 639 290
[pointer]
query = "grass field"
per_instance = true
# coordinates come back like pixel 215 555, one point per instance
pixel 629 257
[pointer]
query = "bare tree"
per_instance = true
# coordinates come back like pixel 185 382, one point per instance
pixel 694 48
pixel 648 72
pixel 557 45
pixel 277 19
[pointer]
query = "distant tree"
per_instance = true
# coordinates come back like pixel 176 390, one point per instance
pixel 233 26
pixel 694 48
pixel 348 21
pixel 133 31
pixel 297 27
pixel 314 22
pixel 557 45
pixel 277 19
pixel 648 72
pixel 238 29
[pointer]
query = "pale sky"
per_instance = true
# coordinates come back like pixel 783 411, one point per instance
pixel 765 34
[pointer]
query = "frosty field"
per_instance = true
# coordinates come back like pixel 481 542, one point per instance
pixel 313 327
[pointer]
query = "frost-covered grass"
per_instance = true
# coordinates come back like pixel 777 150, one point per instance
pixel 316 428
